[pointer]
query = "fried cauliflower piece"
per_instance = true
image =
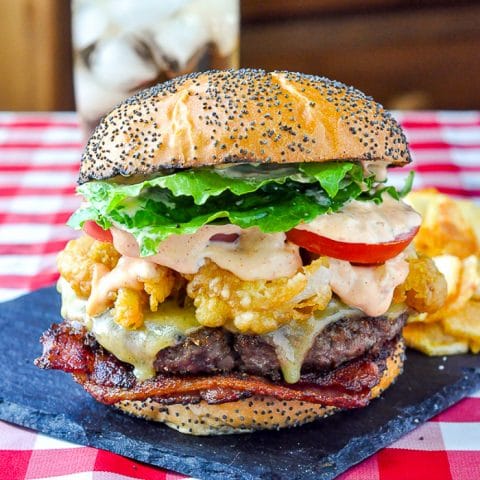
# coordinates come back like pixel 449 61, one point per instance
pixel 161 287
pixel 260 306
pixel 85 261
pixel 128 308
pixel 425 288
pixel 76 262
pixel 133 293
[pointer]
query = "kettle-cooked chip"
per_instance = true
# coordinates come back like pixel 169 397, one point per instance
pixel 430 338
pixel 450 234
pixel 465 323
pixel 450 267
pixel 471 213
pixel 467 285
pixel 475 347
pixel 444 230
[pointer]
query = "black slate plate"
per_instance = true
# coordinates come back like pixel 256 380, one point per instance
pixel 53 403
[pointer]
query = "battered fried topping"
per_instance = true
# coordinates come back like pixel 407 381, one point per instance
pixel 260 306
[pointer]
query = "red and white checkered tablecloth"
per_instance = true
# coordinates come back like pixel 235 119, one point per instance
pixel 39 157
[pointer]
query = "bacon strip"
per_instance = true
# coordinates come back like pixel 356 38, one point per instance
pixel 110 381
pixel 65 348
pixel 221 388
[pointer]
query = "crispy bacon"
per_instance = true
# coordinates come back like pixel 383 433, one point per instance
pixel 110 381
pixel 222 388
pixel 66 348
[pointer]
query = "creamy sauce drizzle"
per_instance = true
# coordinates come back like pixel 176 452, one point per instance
pixel 126 274
pixel 368 288
pixel 377 167
pixel 366 222
pixel 255 255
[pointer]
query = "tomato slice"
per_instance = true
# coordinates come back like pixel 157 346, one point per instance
pixel 362 253
pixel 97 232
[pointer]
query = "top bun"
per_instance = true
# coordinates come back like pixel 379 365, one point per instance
pixel 241 116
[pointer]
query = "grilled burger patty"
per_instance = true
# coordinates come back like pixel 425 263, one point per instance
pixel 212 350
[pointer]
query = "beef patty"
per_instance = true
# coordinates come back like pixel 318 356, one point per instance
pixel 212 350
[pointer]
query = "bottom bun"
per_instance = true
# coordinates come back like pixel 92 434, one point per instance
pixel 254 413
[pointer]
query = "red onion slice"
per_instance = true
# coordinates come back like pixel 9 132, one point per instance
pixel 225 237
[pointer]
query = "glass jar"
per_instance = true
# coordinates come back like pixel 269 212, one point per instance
pixel 122 46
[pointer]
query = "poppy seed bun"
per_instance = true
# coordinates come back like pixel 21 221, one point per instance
pixel 243 116
pixel 254 413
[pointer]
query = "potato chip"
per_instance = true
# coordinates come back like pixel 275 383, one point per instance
pixel 450 234
pixel 465 323
pixel 467 285
pixel 421 200
pixel 444 230
pixel 450 267
pixel 469 282
pixel 475 347
pixel 471 213
pixel 430 339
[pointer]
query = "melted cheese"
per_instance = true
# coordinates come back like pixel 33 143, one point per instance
pixel 293 341
pixel 366 222
pixel 161 329
pixel 255 255
pixel 73 307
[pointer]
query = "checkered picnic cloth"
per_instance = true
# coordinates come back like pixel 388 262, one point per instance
pixel 39 157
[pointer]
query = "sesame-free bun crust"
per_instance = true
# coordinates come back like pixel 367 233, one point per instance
pixel 254 413
pixel 245 116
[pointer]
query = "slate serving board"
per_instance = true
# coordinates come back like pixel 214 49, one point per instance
pixel 51 402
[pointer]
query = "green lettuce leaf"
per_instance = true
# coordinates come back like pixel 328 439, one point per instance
pixel 272 199
pixel 330 175
pixel 201 184
pixel 376 194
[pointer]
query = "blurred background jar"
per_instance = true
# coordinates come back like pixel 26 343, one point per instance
pixel 122 46
pixel 409 54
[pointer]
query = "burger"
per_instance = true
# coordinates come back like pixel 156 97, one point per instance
pixel 244 263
